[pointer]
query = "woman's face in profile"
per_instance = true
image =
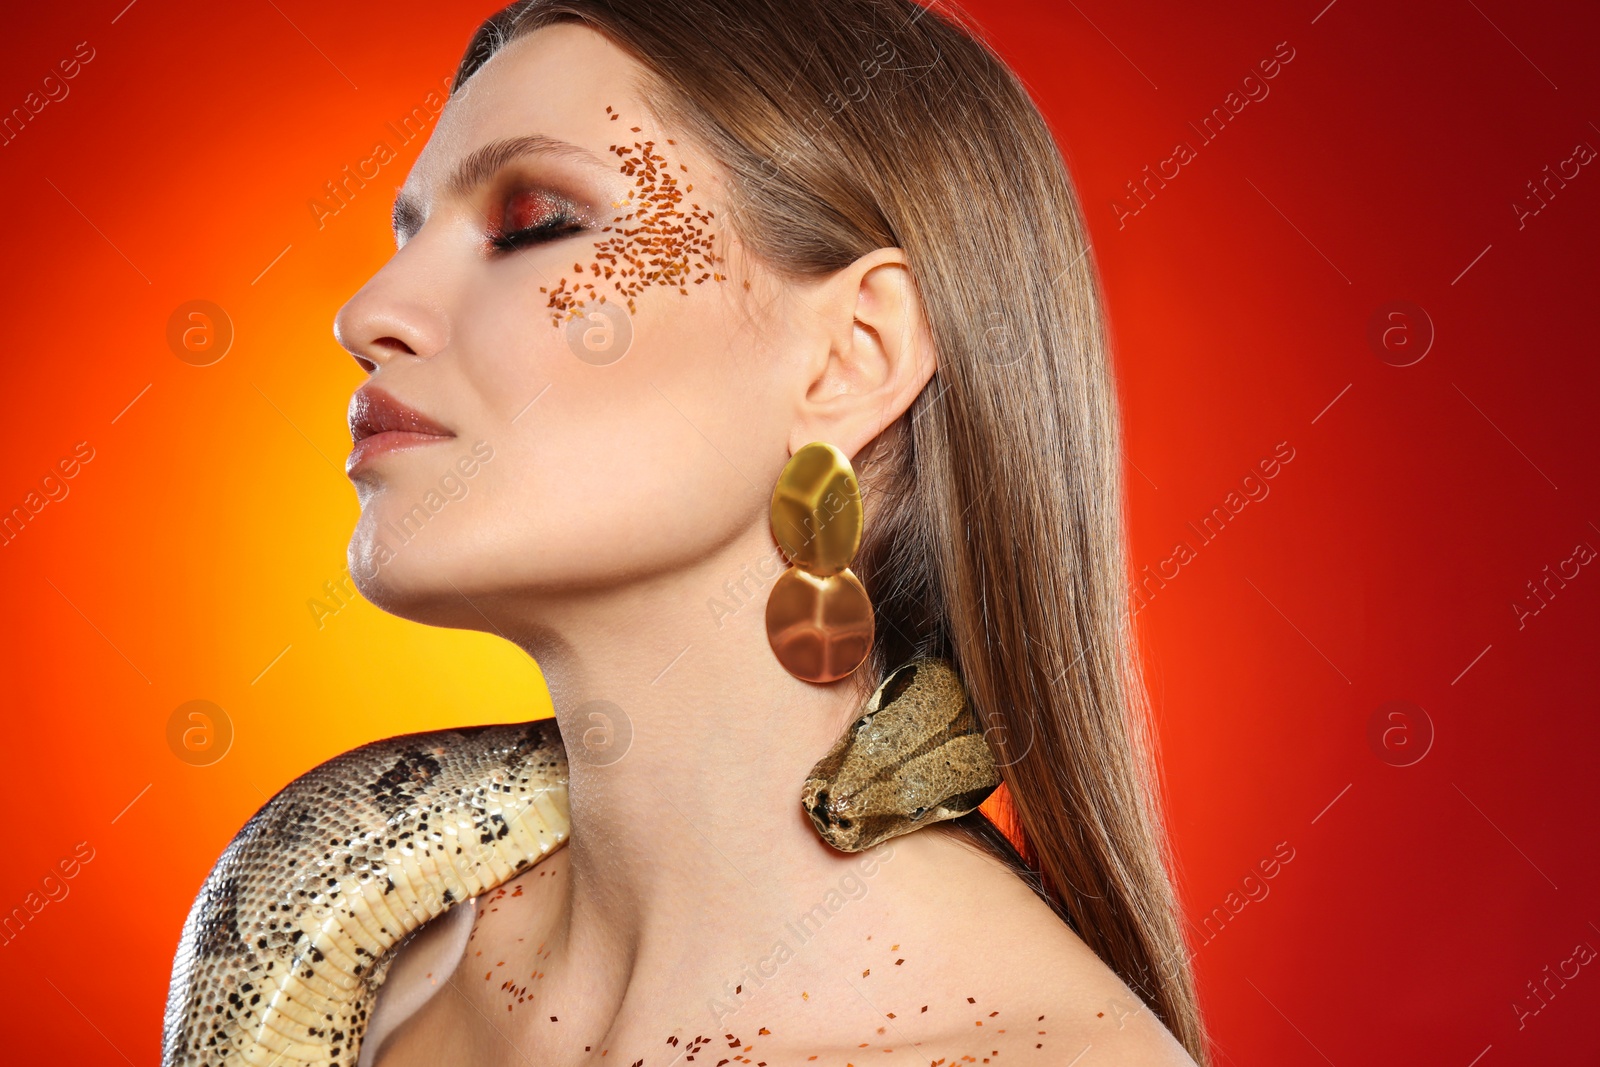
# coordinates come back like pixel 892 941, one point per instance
pixel 581 453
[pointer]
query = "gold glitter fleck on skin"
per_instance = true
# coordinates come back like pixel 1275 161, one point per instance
pixel 741 1051
pixel 657 242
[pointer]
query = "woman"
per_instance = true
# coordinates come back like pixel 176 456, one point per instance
pixel 823 221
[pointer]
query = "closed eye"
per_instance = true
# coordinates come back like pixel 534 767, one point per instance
pixel 551 229
pixel 534 217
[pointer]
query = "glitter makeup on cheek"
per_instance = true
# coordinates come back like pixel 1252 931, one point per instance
pixel 656 243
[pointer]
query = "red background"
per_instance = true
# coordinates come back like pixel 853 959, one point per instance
pixel 1383 565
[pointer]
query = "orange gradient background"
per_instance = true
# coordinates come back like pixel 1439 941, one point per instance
pixel 1384 564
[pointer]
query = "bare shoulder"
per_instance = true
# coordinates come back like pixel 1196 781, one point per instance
pixel 418 970
pixel 424 1014
pixel 1068 1006
pixel 1042 999
pixel 1094 1014
pixel 1041 995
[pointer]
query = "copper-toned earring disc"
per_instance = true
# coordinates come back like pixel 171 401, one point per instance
pixel 819 628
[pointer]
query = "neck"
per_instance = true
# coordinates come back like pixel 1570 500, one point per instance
pixel 688 744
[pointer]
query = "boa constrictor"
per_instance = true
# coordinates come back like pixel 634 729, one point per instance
pixel 292 933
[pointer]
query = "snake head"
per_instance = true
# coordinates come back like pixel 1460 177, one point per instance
pixel 915 756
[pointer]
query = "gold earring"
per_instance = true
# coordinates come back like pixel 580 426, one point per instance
pixel 819 618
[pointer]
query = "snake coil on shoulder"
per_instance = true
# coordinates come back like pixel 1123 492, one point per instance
pixel 293 931
pixel 284 949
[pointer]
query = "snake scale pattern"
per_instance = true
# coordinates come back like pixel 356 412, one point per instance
pixel 292 933
pixel 283 951
pixel 915 755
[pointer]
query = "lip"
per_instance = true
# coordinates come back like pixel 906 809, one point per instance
pixel 381 424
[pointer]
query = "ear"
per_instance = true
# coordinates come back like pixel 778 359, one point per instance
pixel 874 353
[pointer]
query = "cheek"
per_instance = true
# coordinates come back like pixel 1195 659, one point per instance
pixel 506 349
pixel 626 470
pixel 646 462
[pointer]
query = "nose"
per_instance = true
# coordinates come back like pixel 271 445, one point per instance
pixel 393 315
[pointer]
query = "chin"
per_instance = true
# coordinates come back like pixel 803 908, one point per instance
pixel 409 580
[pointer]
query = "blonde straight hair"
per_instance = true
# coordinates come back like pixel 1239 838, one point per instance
pixel 994 529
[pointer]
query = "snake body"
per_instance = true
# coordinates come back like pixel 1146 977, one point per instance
pixel 292 933
pixel 289 939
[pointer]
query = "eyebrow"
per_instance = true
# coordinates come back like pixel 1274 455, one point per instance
pixel 481 164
